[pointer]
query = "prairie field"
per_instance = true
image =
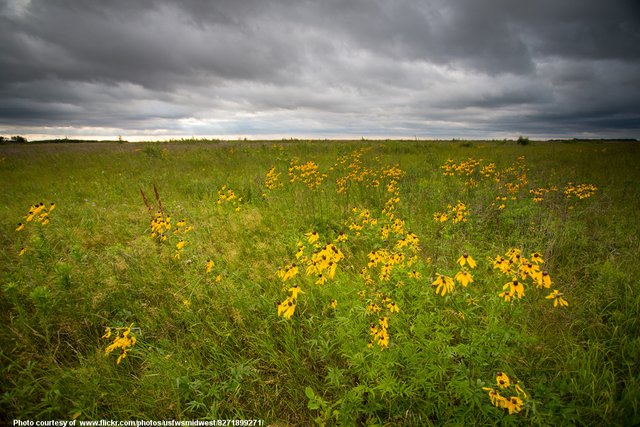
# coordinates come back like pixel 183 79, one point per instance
pixel 321 282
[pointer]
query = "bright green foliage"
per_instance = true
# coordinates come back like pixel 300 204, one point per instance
pixel 335 283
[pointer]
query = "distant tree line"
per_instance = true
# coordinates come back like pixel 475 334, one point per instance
pixel 16 138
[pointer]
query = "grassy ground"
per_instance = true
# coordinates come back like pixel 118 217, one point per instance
pixel 210 344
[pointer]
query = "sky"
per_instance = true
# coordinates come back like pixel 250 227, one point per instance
pixel 432 69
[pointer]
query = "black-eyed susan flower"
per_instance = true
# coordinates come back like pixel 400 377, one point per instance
pixel 520 391
pixel 22 251
pixel 464 277
pixel 287 272
pixel 20 227
pixel 529 269
pixel 107 332
pixel 513 404
pixel 557 299
pixel 333 303
pixel 124 342
pixel 537 258
pixel 503 264
pixel 209 266
pixel 502 380
pixel 507 295
pixel 515 287
pixel 440 217
pixel 287 308
pixel 312 236
pixel 443 284
pixel 295 290
pixel 414 274
pixel 466 259
pixel 495 397
pixel 544 279
pixel 513 254
pixel 393 307
pixel 373 308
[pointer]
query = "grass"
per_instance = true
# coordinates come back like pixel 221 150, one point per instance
pixel 209 349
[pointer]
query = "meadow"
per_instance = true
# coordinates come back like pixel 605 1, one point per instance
pixel 321 282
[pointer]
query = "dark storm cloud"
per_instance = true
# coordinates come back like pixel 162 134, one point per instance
pixel 359 67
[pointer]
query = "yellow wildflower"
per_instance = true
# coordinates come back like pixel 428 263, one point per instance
pixel 295 290
pixel 463 277
pixel 443 284
pixel 209 266
pixel 393 308
pixel 312 236
pixel 494 396
pixel 544 279
pixel 557 299
pixel 537 258
pixel 287 308
pixel 506 295
pixel 414 274
pixel 516 288
pixel 502 380
pixel 513 404
pixel 466 259
pixel 124 342
pixel 519 390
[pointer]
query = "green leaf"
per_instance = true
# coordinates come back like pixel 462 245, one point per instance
pixel 309 392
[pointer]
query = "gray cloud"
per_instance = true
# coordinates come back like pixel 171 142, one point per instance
pixel 429 68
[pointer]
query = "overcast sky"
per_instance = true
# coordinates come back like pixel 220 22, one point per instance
pixel 320 69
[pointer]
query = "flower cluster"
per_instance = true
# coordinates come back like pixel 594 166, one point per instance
pixel 38 214
pixel 464 275
pixel 466 167
pixel 228 197
pixel 321 265
pixel 580 191
pixel 443 284
pixel 513 404
pixel 160 226
pixel 287 307
pixel 458 213
pixel 122 339
pixel 362 219
pixel 539 193
pixel 272 180
pixel 208 268
pixel 181 230
pixel 509 182
pixel 522 270
pixel 355 172
pixel 379 333
pixel 160 230
pixel 308 174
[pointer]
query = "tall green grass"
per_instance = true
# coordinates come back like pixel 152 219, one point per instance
pixel 210 349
